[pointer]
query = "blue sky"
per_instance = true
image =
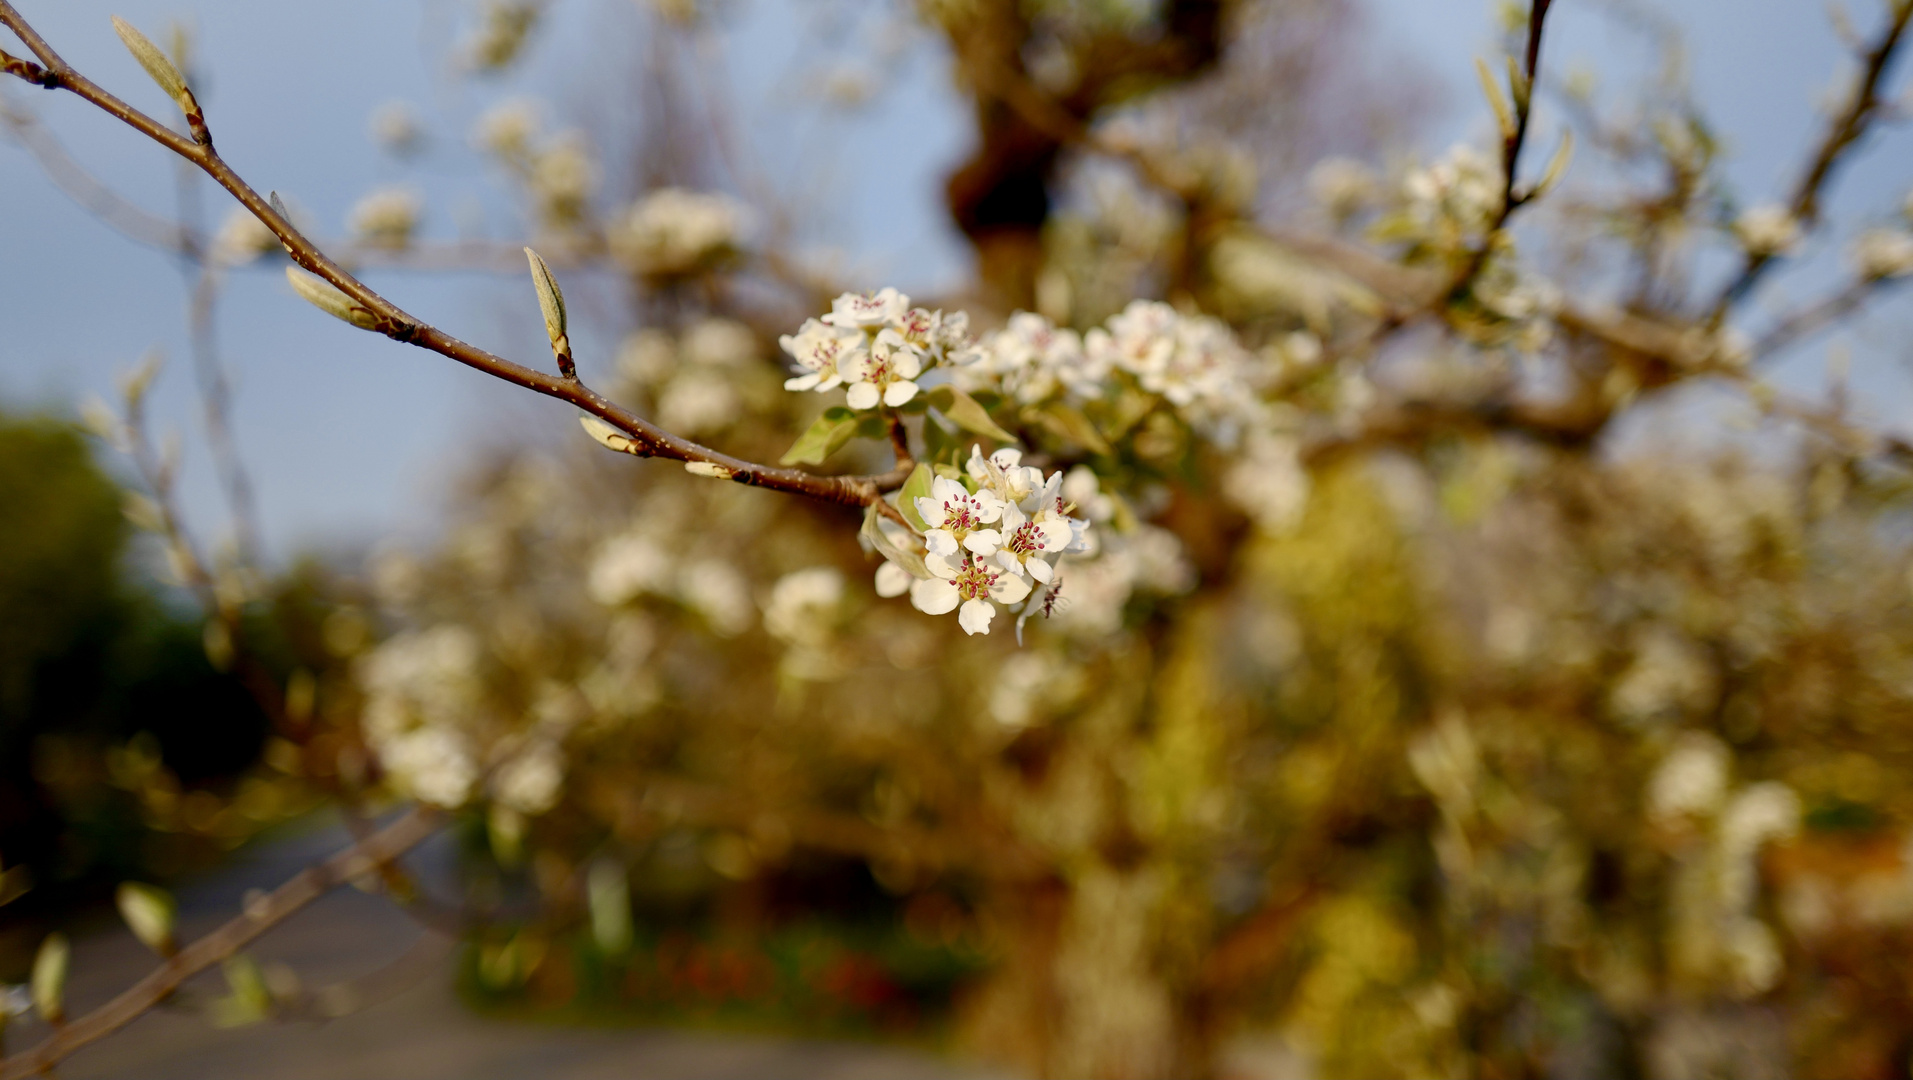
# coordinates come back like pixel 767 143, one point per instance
pixel 350 437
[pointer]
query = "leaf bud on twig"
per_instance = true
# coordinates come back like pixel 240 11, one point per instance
pixel 609 436
pixel 49 977
pixel 149 913
pixel 1504 116
pixel 552 303
pixel 153 60
pixel 166 74
pixel 323 295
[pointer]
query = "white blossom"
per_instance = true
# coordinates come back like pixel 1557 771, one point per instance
pixel 243 238
pixel 626 567
pixel 674 231
pixel 972 583
pixel 818 347
pixel 1269 482
pixel 1883 253
pixel 1691 779
pixel 433 764
pixel 892 580
pixel 860 310
pixel 1342 186
pixel 802 603
pixel 884 373
pixel 714 589
pixel 956 520
pixel 386 218
pixel 1454 198
pixel 1031 360
pixel 395 127
pixel 531 781
pixel 1767 230
pixel 506 129
pixel 1028 545
pixel 1003 475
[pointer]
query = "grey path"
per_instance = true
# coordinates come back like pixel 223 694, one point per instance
pixel 421 1033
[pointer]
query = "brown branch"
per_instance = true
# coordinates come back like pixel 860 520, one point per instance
pixel 261 915
pixel 647 440
pixel 1818 316
pixel 1511 147
pixel 1842 133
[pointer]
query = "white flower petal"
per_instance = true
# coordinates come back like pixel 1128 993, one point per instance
pixel 804 382
pixel 940 541
pixel 862 395
pixel 893 580
pixel 983 541
pixel 899 392
pixel 1039 569
pixel 1008 589
pixel 934 597
pixel 976 615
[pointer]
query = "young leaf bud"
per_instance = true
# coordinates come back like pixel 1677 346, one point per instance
pixel 49 977
pixel 321 294
pixel 611 437
pixel 154 61
pixel 1504 117
pixel 148 912
pixel 552 303
pixel 1557 166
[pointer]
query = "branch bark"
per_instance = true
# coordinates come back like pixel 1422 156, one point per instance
pixel 389 319
pixel 1842 133
pixel 361 858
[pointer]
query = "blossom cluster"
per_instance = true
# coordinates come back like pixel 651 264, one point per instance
pixel 674 231
pixel 875 345
pixel 1191 361
pixel 990 536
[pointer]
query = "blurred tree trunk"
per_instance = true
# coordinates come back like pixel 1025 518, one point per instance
pixel 1001 197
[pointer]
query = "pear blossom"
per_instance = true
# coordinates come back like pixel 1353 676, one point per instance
pixel 893 580
pixel 883 373
pixel 859 310
pixel 956 519
pixel 818 347
pixel 1032 360
pixel 1884 253
pixel 1768 230
pixel 1029 543
pixel 973 584
pixel 1004 475
pixel 531 782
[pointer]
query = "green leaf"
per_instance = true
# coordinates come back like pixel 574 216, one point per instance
pixel 826 436
pixel 940 444
pixel 1074 426
pixel 968 414
pixel 872 535
pixel 917 486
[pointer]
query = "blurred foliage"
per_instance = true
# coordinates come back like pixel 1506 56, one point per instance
pixel 121 747
pixel 1425 703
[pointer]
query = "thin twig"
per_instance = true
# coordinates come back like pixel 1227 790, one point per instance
pixel 261 915
pixel 1843 132
pixel 1511 146
pixel 1818 316
pixel 389 319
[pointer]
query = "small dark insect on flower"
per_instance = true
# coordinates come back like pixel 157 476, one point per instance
pixel 1054 600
